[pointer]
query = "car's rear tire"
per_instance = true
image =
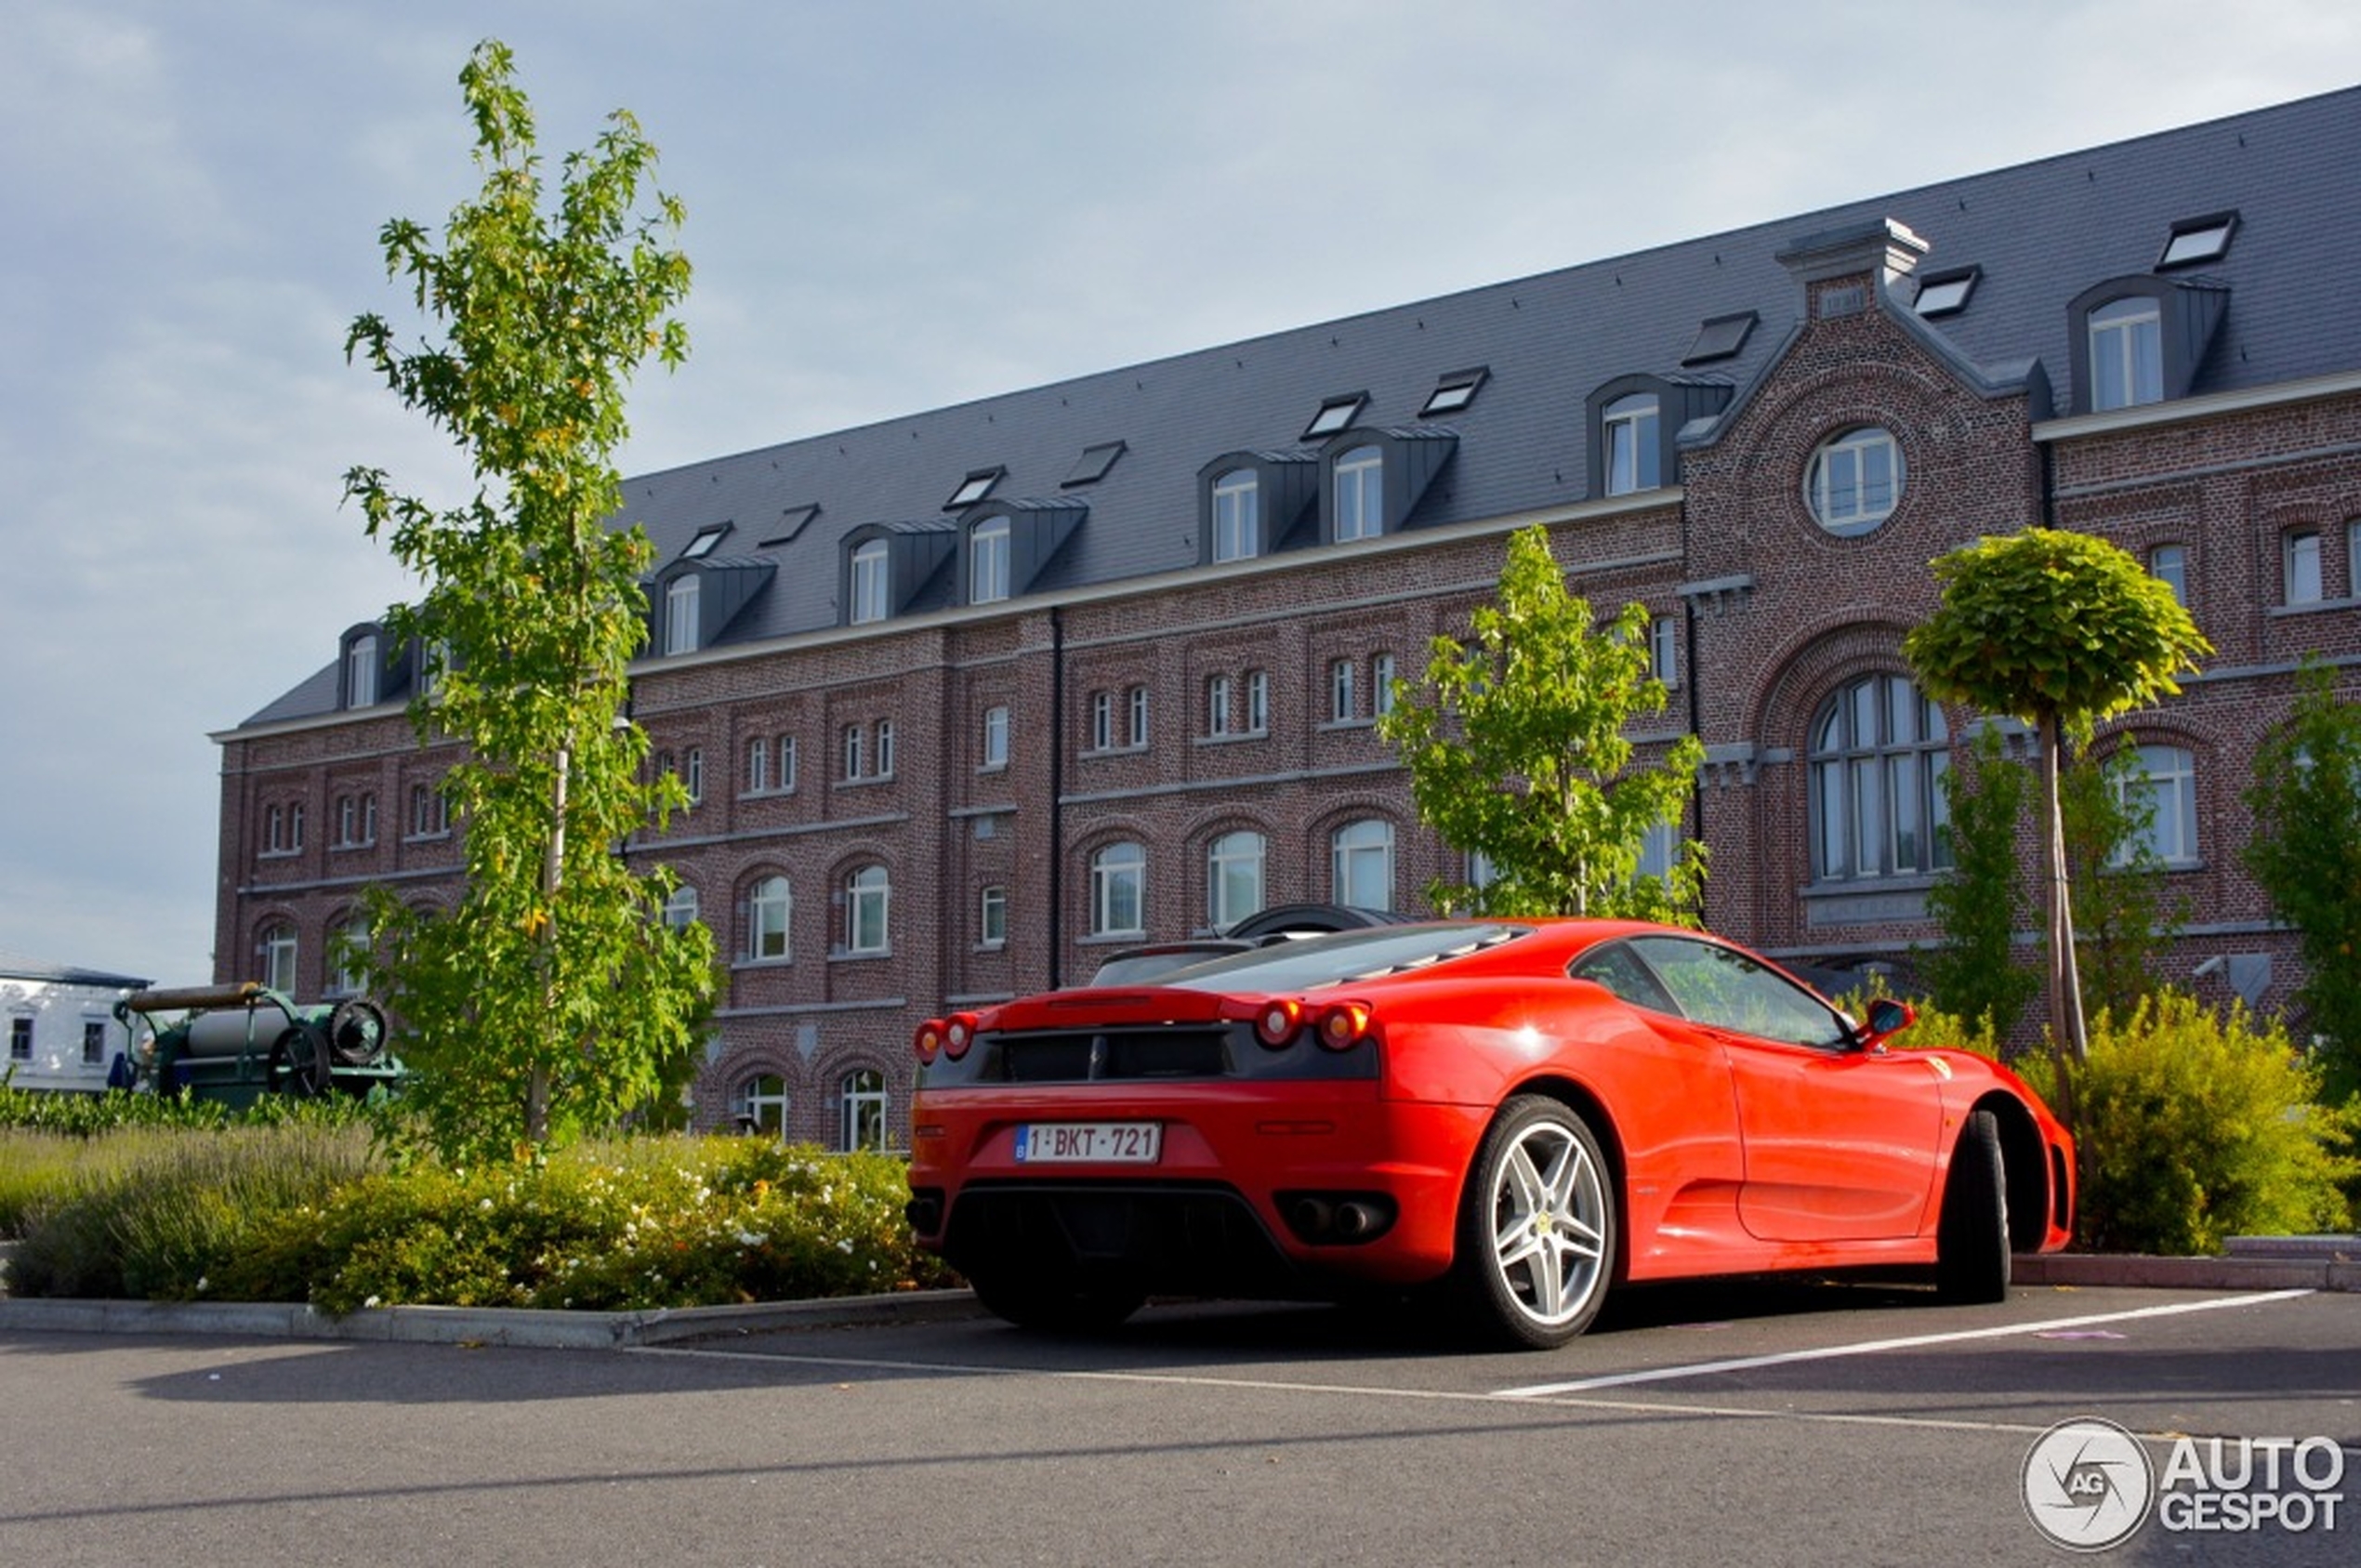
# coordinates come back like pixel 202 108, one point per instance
pixel 1972 1238
pixel 1536 1239
pixel 1057 1306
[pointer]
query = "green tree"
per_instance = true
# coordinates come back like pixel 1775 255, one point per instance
pixel 552 997
pixel 2306 853
pixel 1980 904
pixel 1517 753
pixel 2061 630
pixel 2123 918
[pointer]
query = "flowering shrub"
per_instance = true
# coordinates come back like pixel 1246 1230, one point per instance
pixel 621 1225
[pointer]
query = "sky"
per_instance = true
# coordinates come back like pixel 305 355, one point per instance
pixel 893 205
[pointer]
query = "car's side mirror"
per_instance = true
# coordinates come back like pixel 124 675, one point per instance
pixel 1888 1017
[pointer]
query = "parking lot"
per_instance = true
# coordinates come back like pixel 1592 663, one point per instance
pixel 1766 1423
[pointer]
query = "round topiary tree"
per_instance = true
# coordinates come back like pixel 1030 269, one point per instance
pixel 2060 630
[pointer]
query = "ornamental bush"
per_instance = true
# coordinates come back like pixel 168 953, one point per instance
pixel 311 1213
pixel 2197 1126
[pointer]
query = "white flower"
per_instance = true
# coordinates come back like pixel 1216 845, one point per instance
pixel 373 1302
pixel 844 1246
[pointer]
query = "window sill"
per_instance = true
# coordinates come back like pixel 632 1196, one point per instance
pixel 784 961
pixel 864 782
pixel 2308 607
pixel 766 794
pixel 1330 725
pixel 1233 737
pixel 854 955
pixel 1112 939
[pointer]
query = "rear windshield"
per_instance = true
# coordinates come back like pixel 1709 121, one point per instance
pixel 1307 963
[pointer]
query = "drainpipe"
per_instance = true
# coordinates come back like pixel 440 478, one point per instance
pixel 1056 911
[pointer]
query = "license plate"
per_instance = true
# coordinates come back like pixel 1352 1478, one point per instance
pixel 1121 1143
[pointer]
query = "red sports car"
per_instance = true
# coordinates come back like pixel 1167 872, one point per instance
pixel 1521 1113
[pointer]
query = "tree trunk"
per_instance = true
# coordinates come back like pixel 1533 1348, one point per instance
pixel 2066 1043
pixel 537 1094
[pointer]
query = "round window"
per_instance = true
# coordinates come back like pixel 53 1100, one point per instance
pixel 1855 480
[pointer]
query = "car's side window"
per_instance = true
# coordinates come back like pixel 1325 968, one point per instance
pixel 1619 969
pixel 1715 986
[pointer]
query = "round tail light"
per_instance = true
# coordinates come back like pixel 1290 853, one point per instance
pixel 958 1034
pixel 930 1039
pixel 1344 1025
pixel 1277 1021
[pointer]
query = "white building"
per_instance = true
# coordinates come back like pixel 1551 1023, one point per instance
pixel 62 1031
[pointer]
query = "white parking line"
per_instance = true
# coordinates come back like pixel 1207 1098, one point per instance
pixel 1871 1346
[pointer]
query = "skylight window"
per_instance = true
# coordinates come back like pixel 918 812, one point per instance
pixel 1336 414
pixel 1454 393
pixel 702 546
pixel 1942 293
pixel 2199 239
pixel 974 488
pixel 1719 337
pixel 1092 466
pixel 791 523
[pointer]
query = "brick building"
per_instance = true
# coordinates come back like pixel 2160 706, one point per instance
pixel 972 697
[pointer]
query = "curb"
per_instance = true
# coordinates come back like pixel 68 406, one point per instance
pixel 2241 1271
pixel 525 1329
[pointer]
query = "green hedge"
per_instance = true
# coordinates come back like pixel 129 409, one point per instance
pixel 313 1213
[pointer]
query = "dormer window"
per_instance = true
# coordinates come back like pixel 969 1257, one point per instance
pixel 1942 293
pixel 974 488
pixel 1357 490
pixel 680 600
pixel 2127 354
pixel 1454 393
pixel 702 546
pixel 1238 524
pixel 988 561
pixel 1720 337
pixel 2140 339
pixel 868 600
pixel 791 521
pixel 1629 431
pixel 361 671
pixel 1336 414
pixel 2196 239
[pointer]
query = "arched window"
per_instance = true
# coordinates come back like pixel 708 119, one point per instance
pixel 988 561
pixel 868 896
pixel 768 904
pixel 761 1103
pixel 1359 479
pixel 1118 887
pixel 2126 353
pixel 681 614
pixel 1361 863
pixel 277 950
pixel 349 956
pixel 861 1104
pixel 1232 878
pixel 1878 753
pixel 869 597
pixel 2166 783
pixel 1632 454
pixel 680 909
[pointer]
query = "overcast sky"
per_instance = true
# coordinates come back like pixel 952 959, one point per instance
pixel 892 206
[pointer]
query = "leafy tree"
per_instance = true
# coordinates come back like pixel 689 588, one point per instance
pixel 2306 853
pixel 1980 905
pixel 552 997
pixel 2061 630
pixel 1518 753
pixel 2123 919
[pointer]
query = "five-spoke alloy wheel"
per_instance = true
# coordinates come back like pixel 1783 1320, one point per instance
pixel 1537 1227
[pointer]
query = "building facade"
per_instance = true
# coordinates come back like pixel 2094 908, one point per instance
pixel 968 700
pixel 62 1030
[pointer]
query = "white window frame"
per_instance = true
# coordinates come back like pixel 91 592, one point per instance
pixel 1216 705
pixel 279 951
pixel 693 773
pixel 861 1110
pixel 1360 863
pixel 761 1103
pixel 1382 678
pixel 681 907
pixel 680 600
pixel 868 909
pixel 1343 702
pixel 991 916
pixel 1233 877
pixel 758 765
pixel 361 672
pixel 2167 776
pixel 885 749
pixel 2170 565
pixel 1840 485
pixel 870 598
pixel 1237 515
pixel 856 752
pixel 1664 650
pixel 1630 450
pixel 1358 480
pixel 988 550
pixel 786 764
pixel 770 917
pixel 1138 699
pixel 2125 353
pixel 2303 567
pixel 1120 878
pixel 1257 702
pixel 1869 750
pixel 996 737
pixel 1102 721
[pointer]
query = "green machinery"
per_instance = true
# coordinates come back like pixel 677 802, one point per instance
pixel 238 1043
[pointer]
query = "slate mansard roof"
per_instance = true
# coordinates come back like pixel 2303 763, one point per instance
pixel 2037 235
